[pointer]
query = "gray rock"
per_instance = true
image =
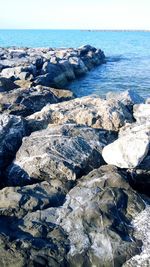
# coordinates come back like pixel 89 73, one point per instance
pixel 78 66
pixel 24 102
pixel 12 130
pixel 49 67
pixel 128 97
pixel 6 84
pixel 90 110
pixel 63 152
pixel 93 226
pixel 97 218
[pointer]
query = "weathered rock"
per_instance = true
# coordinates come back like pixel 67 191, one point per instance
pixel 6 84
pixel 63 153
pixel 78 66
pixel 12 130
pixel 142 231
pixel 47 66
pixel 24 73
pixel 18 201
pixel 142 113
pixel 31 243
pixel 91 111
pixel 127 151
pixel 97 218
pixel 24 102
pixel 134 128
pixel 128 97
pixel 93 226
pixel 139 178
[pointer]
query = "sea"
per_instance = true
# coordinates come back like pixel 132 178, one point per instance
pixel 127 57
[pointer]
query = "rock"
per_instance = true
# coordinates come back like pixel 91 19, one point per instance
pixel 147 100
pixel 128 97
pixel 24 102
pixel 97 218
pixel 23 73
pixel 141 224
pixel 12 130
pixel 18 201
pixel 49 67
pixel 31 243
pixel 93 226
pixel 78 66
pixel 139 178
pixel 90 110
pixel 67 69
pixel 142 113
pixel 6 84
pixel 134 128
pixel 127 151
pixel 63 153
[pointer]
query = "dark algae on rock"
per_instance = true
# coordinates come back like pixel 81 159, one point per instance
pixel 74 172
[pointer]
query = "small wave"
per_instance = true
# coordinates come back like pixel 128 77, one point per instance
pixel 116 58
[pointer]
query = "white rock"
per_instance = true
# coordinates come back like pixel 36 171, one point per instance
pixel 147 100
pixel 128 151
pixel 141 113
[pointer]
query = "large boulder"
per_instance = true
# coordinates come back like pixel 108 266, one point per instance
pixel 127 151
pixel 91 110
pixel 92 228
pixel 63 153
pixel 96 217
pixel 24 102
pixel 12 130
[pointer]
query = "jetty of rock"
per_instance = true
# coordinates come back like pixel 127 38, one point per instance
pixel 74 172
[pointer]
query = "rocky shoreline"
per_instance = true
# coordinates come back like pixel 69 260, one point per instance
pixel 74 172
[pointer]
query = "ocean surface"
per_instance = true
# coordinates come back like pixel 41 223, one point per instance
pixel 127 55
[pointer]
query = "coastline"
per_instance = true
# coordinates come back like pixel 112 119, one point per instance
pixel 74 171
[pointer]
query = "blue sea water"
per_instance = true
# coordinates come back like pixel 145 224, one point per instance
pixel 127 53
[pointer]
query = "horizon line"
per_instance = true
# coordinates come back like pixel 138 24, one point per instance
pixel 81 29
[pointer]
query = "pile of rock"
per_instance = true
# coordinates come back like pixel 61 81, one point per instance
pixel 62 202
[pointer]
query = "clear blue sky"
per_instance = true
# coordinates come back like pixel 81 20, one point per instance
pixel 75 14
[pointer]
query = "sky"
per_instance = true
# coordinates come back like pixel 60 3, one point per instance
pixel 75 14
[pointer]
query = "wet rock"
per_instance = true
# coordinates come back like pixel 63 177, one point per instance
pixel 63 152
pixel 90 110
pixel 24 102
pixel 12 130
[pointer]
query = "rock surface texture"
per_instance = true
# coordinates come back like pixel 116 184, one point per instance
pixel 61 204
pixel 91 110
